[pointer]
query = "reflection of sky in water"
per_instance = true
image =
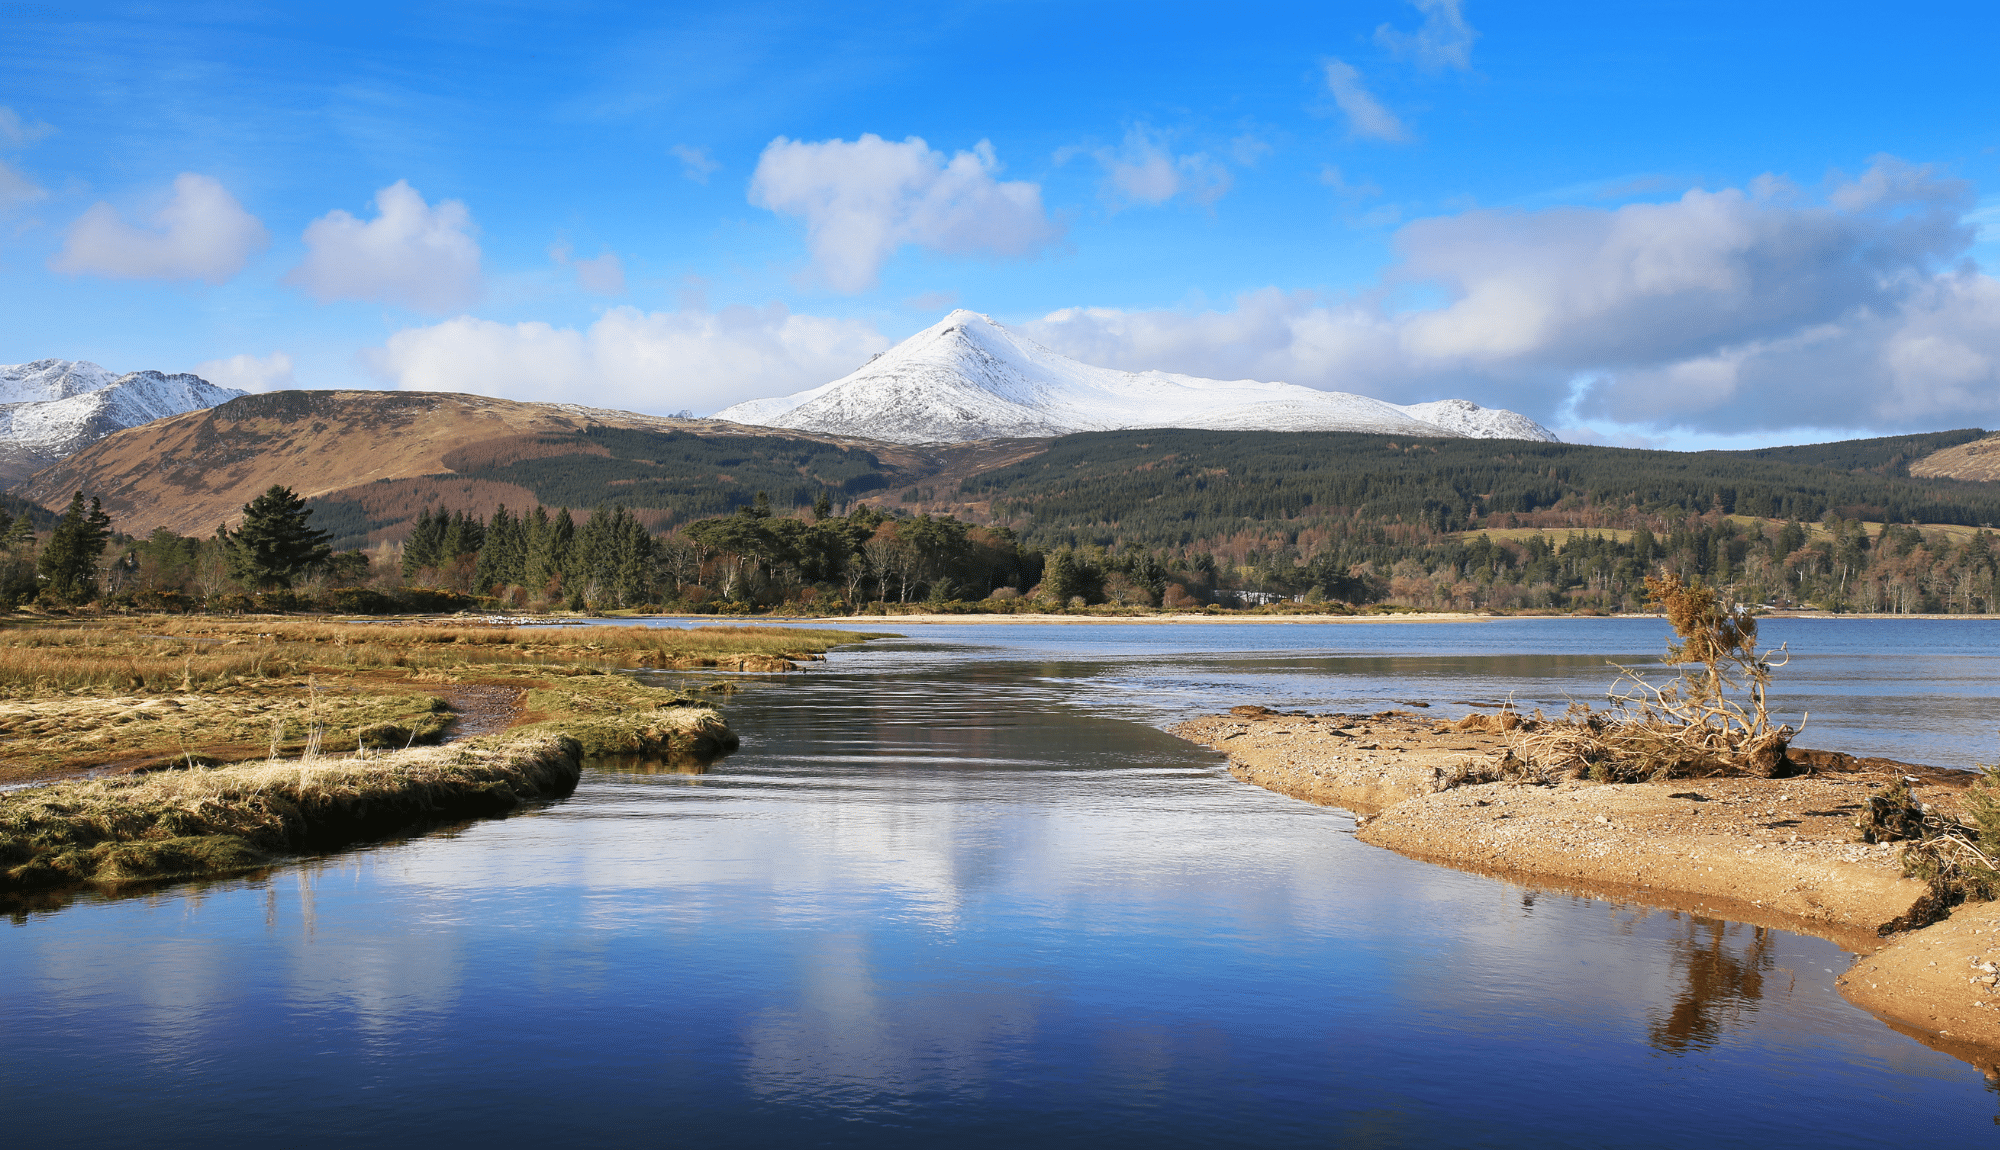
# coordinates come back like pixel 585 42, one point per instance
pixel 1919 689
pixel 947 896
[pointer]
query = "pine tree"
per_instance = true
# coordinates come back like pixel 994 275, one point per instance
pixel 546 568
pixel 273 544
pixel 68 565
pixel 423 547
pixel 500 558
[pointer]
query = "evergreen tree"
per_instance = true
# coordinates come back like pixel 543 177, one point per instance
pixel 500 558
pixel 546 567
pixel 68 565
pixel 424 546
pixel 273 544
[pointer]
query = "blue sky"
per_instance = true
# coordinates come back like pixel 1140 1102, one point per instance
pixel 1675 224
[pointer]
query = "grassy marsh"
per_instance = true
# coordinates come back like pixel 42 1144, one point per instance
pixel 161 708
pixel 202 821
pixel 151 692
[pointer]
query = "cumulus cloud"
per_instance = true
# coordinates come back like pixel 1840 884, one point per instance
pixel 200 233
pixel 862 201
pixel 411 254
pixel 695 162
pixel 1366 117
pixel 271 372
pixel 632 360
pixel 1443 41
pixel 1729 311
pixel 603 275
pixel 1143 171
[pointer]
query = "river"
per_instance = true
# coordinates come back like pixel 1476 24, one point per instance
pixel 960 888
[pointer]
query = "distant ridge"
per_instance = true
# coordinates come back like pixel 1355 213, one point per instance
pixel 969 378
pixel 52 408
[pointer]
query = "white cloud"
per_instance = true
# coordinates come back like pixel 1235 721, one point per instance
pixel 272 372
pixel 602 275
pixel 938 301
pixel 1729 311
pixel 1366 117
pixel 16 188
pixel 1444 40
pixel 200 233
pixel 19 132
pixel 410 254
pixel 632 360
pixel 695 162
pixel 863 200
pixel 1142 170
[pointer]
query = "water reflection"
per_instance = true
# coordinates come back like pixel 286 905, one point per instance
pixel 1721 966
pixel 943 895
pixel 647 765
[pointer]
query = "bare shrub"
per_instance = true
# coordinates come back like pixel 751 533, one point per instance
pixel 1714 719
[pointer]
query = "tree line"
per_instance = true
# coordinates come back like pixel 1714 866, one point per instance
pixel 868 558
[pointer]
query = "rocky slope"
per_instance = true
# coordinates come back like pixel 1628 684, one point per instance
pixel 969 378
pixel 52 408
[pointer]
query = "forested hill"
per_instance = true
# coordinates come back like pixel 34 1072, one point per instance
pixel 1179 488
pixel 1887 455
pixel 372 461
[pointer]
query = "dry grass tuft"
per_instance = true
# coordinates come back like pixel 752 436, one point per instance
pixel 208 821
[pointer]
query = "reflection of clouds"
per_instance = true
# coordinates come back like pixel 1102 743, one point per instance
pixel 845 1038
pixel 388 973
pixel 939 891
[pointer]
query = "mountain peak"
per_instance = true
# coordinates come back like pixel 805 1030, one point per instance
pixel 51 408
pixel 969 377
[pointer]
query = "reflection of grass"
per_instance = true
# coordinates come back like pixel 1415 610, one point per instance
pixel 138 692
pixel 210 821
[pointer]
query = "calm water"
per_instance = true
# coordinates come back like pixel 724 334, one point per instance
pixel 959 888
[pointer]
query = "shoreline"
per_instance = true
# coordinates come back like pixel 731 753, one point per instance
pixel 922 619
pixel 1770 852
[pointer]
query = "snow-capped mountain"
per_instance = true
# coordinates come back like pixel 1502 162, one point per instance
pixel 52 408
pixel 968 377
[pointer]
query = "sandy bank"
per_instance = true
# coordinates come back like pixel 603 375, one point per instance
pixel 1776 852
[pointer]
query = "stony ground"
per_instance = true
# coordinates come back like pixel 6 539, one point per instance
pixel 1780 852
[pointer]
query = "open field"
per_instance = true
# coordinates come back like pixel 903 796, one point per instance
pixel 138 694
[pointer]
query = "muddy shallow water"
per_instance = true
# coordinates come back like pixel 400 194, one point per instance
pixel 961 888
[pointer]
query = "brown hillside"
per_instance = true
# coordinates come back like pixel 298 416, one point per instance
pixel 1978 460
pixel 191 473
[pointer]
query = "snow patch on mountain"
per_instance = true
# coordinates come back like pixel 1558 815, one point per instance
pixel 47 379
pixel 968 377
pixel 52 408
